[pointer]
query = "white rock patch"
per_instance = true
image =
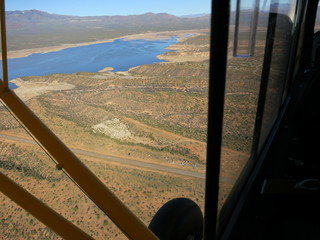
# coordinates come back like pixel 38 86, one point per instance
pixel 113 128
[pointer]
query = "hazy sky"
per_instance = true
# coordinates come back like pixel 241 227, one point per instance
pixel 114 7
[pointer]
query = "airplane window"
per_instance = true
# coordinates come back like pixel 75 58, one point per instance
pixel 127 94
pixel 241 98
pixel 246 78
pixel 277 65
pixel 317 25
pixel 1 72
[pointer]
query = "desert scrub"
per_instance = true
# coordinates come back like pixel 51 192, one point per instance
pixel 197 134
pixel 7 121
pixel 27 163
pixel 237 142
pixel 181 151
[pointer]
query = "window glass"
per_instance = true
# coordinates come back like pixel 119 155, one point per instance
pixel 137 118
pixel 1 74
pixel 317 26
pixel 257 80
pixel 315 57
pixel 241 98
pixel 277 68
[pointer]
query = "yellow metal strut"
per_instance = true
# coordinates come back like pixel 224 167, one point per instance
pixel 130 225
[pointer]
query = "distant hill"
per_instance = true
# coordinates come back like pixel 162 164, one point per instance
pixel 34 28
pixel 34 20
pixel 195 15
pixel 39 17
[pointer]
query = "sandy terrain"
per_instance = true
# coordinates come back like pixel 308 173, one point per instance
pixel 28 90
pixel 164 35
pixel 107 69
pixel 184 53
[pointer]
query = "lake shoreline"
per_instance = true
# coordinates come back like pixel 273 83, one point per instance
pixel 181 34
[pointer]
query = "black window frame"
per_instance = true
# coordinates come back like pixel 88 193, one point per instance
pixel 305 16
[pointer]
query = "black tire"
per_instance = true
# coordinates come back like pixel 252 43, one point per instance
pixel 178 219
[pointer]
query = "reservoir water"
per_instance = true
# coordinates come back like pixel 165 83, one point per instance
pixel 120 54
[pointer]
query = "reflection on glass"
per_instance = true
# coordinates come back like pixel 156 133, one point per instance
pixel 1 72
pixel 241 97
pixel 281 35
pixel 244 77
pixel 245 28
pixel 317 25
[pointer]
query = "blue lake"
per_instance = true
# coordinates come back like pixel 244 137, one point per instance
pixel 120 54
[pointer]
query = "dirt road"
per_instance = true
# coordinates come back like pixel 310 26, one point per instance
pixel 125 161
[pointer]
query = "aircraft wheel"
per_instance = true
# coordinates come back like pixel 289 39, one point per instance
pixel 178 219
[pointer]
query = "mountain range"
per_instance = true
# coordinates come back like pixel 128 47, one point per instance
pixel 34 28
pixel 35 19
